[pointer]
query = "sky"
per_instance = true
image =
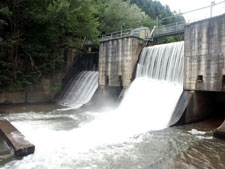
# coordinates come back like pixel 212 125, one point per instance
pixel 188 5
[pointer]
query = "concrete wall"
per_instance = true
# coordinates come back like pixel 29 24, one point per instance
pixel 46 90
pixel 204 68
pixel 200 107
pixel 117 60
pixel 204 55
pixel 203 105
pixel 41 93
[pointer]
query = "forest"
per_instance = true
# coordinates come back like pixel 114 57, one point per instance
pixel 34 34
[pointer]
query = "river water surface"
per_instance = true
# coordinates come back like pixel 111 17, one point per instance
pixel 70 139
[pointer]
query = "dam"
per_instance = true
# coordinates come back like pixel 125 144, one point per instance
pixel 202 75
pixel 135 135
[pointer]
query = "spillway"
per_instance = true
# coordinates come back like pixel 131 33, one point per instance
pixel 80 90
pixel 115 139
pixel 153 95
pixel 162 62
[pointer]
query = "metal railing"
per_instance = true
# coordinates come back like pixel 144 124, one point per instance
pixel 170 29
pixel 116 34
pixel 165 30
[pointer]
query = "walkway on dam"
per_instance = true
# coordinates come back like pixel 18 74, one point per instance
pixel 165 30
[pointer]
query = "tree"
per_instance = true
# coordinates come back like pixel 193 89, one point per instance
pixel 33 34
pixel 155 9
pixel 120 13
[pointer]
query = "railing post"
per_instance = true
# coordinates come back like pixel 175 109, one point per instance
pixel 157 18
pixel 211 8
pixel 176 27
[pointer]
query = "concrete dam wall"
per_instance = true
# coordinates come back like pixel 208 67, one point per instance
pixel 204 68
pixel 117 60
pixel 204 53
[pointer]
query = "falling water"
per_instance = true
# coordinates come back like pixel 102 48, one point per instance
pixel 113 139
pixel 80 90
pixel 162 62
pixel 154 93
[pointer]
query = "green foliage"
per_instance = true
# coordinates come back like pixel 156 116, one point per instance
pixel 153 8
pixel 170 39
pixel 135 13
pixel 34 34
pixel 119 14
pixel 55 89
pixel 165 16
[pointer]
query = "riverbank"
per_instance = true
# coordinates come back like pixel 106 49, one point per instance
pixel 20 108
pixel 43 92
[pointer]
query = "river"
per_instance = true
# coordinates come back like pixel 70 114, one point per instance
pixel 70 139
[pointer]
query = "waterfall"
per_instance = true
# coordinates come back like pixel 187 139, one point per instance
pixel 112 135
pixel 81 89
pixel 162 62
pixel 153 95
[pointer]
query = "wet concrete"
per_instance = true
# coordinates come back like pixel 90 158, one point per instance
pixel 15 139
pixel 220 131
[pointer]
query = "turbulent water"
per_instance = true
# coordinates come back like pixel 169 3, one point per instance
pixel 157 87
pixel 125 138
pixel 81 89
pixel 72 140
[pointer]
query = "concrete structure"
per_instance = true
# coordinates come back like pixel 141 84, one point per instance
pixel 194 106
pixel 181 107
pixel 220 131
pixel 117 60
pixel 204 72
pixel 204 54
pixel 15 139
pixel 43 92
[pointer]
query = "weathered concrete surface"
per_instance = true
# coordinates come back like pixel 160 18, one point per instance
pixel 105 96
pixel 41 93
pixel 204 55
pixel 220 131
pixel 12 97
pixel 117 60
pixel 182 105
pixel 203 105
pixel 15 139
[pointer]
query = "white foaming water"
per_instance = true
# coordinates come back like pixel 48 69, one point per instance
pixel 162 62
pixel 151 102
pixel 147 105
pixel 158 84
pixel 80 90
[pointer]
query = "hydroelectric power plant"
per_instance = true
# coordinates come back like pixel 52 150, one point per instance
pixel 156 87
